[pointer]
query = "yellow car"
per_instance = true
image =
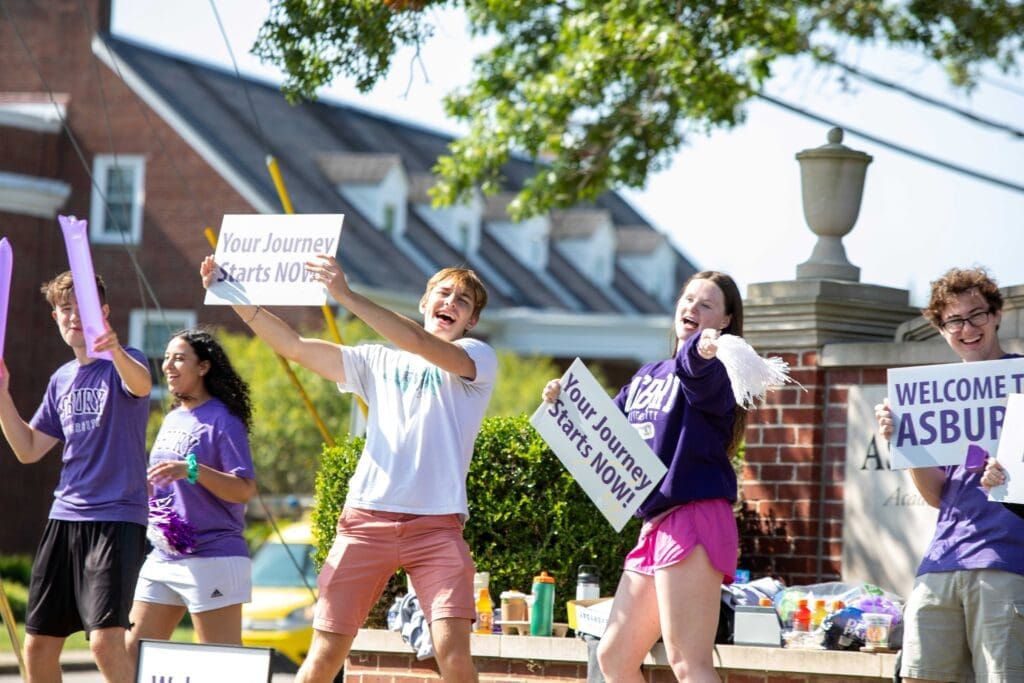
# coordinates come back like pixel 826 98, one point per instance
pixel 280 615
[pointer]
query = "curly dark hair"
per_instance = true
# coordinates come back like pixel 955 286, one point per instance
pixel 221 380
pixel 957 281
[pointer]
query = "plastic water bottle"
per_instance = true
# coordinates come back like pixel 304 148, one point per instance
pixel 543 612
pixel 588 582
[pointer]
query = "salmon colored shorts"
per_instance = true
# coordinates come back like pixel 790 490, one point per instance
pixel 670 538
pixel 371 546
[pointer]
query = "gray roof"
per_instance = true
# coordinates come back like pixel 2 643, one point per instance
pixel 321 144
pixel 637 239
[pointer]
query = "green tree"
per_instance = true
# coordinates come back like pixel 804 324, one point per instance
pixel 606 90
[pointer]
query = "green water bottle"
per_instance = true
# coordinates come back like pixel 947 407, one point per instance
pixel 542 612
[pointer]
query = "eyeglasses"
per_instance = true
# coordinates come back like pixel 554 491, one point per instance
pixel 975 319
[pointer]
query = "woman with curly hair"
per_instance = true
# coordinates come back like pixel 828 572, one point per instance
pixel 200 476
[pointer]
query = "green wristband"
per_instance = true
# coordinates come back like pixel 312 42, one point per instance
pixel 193 468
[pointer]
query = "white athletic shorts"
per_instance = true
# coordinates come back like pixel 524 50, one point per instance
pixel 200 584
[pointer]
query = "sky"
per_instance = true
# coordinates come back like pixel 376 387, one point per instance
pixel 731 200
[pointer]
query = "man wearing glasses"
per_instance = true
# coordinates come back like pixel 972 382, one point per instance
pixel 963 621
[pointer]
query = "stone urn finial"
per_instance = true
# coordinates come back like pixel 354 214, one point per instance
pixel 832 183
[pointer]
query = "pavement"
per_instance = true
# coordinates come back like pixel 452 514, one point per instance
pixel 70 660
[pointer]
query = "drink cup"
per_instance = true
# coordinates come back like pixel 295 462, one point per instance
pixel 876 630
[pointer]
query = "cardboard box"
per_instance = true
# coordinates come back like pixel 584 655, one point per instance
pixel 754 625
pixel 589 616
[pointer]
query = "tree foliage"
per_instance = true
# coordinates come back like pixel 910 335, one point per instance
pixel 606 90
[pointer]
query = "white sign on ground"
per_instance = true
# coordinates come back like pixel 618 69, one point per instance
pixel 596 443
pixel 941 411
pixel 1011 453
pixel 262 259
pixel 178 662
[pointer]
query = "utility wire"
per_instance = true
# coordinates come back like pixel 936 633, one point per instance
pixel 245 87
pixel 1002 85
pixel 928 99
pixel 949 166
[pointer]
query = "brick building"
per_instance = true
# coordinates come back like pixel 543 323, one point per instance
pixel 151 148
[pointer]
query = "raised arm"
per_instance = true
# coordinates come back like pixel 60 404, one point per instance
pixel 323 358
pixel 29 445
pixel 397 329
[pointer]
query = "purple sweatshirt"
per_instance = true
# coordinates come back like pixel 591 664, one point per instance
pixel 684 408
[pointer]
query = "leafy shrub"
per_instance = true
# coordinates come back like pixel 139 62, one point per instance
pixel 17 596
pixel 526 514
pixel 17 568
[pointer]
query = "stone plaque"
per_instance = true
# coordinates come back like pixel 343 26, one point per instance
pixel 886 523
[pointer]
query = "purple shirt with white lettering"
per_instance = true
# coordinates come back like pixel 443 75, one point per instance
pixel 684 408
pixel 219 440
pixel 973 532
pixel 103 427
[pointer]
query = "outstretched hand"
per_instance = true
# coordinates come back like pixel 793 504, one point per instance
pixel 326 270
pixel 208 270
pixel 552 390
pixel 707 345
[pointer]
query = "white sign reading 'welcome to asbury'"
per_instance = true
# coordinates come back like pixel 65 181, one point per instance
pixel 262 259
pixel 595 442
pixel 940 411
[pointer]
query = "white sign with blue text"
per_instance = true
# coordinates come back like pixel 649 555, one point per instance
pixel 941 411
pixel 262 259
pixel 601 450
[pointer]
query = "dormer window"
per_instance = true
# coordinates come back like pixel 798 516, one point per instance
pixel 375 185
pixel 586 238
pixel 648 259
pixel 458 225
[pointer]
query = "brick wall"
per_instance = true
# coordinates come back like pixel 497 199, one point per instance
pixel 792 487
pixel 391 668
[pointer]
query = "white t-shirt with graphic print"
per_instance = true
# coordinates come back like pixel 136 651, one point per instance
pixel 421 426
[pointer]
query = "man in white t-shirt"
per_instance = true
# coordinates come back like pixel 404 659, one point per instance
pixel 406 502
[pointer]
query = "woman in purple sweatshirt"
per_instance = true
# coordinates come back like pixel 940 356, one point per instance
pixel 684 407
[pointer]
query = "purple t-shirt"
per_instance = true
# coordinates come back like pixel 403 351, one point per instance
pixel 684 408
pixel 219 441
pixel 103 427
pixel 973 532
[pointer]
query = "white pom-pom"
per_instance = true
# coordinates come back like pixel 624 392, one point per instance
pixel 751 375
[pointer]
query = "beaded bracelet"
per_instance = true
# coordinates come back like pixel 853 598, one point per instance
pixel 193 468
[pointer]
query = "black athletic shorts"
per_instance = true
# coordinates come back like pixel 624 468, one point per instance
pixel 83 577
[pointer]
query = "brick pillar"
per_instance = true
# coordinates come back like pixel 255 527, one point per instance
pixel 792 483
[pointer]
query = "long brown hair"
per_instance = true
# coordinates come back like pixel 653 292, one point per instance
pixel 734 308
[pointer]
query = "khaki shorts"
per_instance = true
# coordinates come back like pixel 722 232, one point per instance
pixel 371 546
pixel 965 626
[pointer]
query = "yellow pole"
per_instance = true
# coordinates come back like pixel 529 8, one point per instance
pixel 286 203
pixel 12 631
pixel 211 237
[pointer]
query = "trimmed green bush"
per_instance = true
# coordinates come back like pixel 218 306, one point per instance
pixel 17 596
pixel 526 514
pixel 17 568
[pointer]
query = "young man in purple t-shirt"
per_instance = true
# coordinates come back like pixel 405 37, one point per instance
pixel 962 618
pixel 84 572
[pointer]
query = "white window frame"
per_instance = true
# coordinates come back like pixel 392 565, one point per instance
pixel 138 320
pixel 98 215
